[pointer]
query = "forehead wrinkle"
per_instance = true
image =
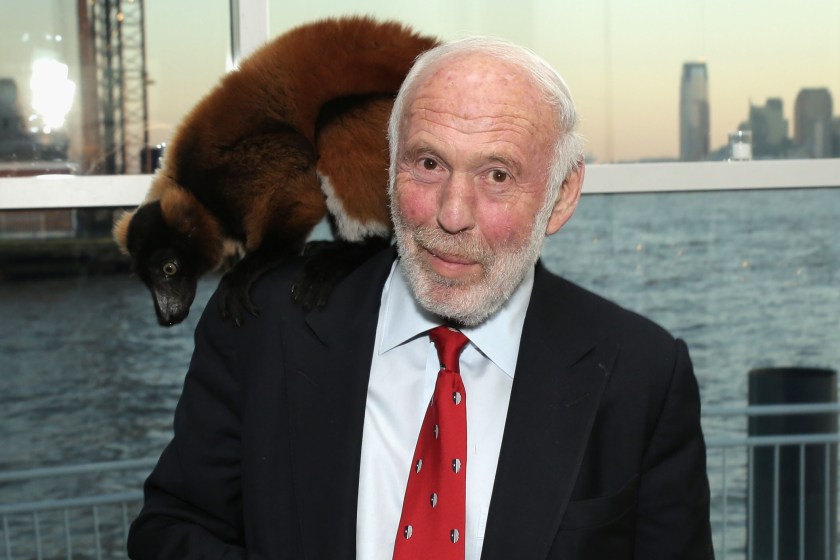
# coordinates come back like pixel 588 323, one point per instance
pixel 496 105
pixel 481 124
pixel 493 111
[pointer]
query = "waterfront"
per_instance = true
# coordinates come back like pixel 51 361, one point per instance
pixel 750 279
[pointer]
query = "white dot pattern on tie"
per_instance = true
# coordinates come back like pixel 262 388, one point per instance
pixel 435 522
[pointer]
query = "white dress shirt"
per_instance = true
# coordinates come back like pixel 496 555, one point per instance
pixel 402 379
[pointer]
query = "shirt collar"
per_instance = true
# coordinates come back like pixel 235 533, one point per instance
pixel 498 337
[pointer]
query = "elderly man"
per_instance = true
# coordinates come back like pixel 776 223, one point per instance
pixel 456 400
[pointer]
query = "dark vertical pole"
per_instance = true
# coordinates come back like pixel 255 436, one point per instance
pixel 235 42
pixel 784 495
pixel 148 165
pixel 91 138
pixel 108 102
pixel 118 54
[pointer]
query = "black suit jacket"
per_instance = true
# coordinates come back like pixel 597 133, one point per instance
pixel 602 454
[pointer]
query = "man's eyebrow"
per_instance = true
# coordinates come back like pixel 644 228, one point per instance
pixel 506 161
pixel 417 149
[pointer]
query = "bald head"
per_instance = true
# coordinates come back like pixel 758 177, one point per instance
pixel 552 91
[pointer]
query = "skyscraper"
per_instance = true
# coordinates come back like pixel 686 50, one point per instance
pixel 694 112
pixel 769 129
pixel 812 122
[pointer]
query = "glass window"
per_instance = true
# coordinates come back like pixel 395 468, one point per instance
pixel 86 86
pixel 63 284
pixel 628 65
pixel 39 77
pixel 748 278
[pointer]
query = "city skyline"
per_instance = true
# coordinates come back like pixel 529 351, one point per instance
pixel 622 63
pixel 812 132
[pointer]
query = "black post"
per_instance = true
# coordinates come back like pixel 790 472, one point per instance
pixel 783 496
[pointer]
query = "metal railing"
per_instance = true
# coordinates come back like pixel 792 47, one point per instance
pixel 96 526
pixel 88 526
pixel 737 459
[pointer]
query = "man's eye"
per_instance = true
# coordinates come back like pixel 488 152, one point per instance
pixel 429 164
pixel 499 176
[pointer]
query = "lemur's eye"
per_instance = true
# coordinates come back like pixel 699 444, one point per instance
pixel 170 268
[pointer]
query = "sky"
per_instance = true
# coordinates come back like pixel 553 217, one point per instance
pixel 621 59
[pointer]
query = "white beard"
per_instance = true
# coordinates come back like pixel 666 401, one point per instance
pixel 466 302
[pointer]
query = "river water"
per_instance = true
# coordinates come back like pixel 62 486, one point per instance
pixel 750 279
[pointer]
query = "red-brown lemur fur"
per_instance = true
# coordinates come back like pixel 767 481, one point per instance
pixel 248 163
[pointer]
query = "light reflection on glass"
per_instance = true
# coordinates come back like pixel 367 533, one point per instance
pixel 52 92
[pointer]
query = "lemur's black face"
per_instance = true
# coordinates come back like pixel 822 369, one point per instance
pixel 172 285
pixel 166 261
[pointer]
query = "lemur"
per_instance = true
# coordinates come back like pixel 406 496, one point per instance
pixel 296 133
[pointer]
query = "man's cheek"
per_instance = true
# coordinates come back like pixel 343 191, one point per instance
pixel 417 207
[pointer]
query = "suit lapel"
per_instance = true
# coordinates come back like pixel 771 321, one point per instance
pixel 560 376
pixel 328 367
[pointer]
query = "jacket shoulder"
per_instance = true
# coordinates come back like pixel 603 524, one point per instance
pixel 596 315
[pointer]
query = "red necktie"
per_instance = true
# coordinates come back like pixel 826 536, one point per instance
pixel 434 510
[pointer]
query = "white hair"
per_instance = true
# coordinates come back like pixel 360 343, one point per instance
pixel 568 146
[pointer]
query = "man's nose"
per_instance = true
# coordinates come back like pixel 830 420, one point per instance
pixel 455 206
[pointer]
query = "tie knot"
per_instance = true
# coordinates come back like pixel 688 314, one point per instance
pixel 449 344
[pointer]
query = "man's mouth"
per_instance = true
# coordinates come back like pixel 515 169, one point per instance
pixel 451 258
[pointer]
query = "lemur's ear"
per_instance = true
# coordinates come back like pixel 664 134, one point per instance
pixel 120 230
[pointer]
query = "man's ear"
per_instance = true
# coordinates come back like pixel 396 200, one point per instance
pixel 567 200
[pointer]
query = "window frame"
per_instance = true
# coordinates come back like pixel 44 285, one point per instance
pixel 86 191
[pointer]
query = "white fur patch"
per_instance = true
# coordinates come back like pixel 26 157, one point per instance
pixel 349 228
